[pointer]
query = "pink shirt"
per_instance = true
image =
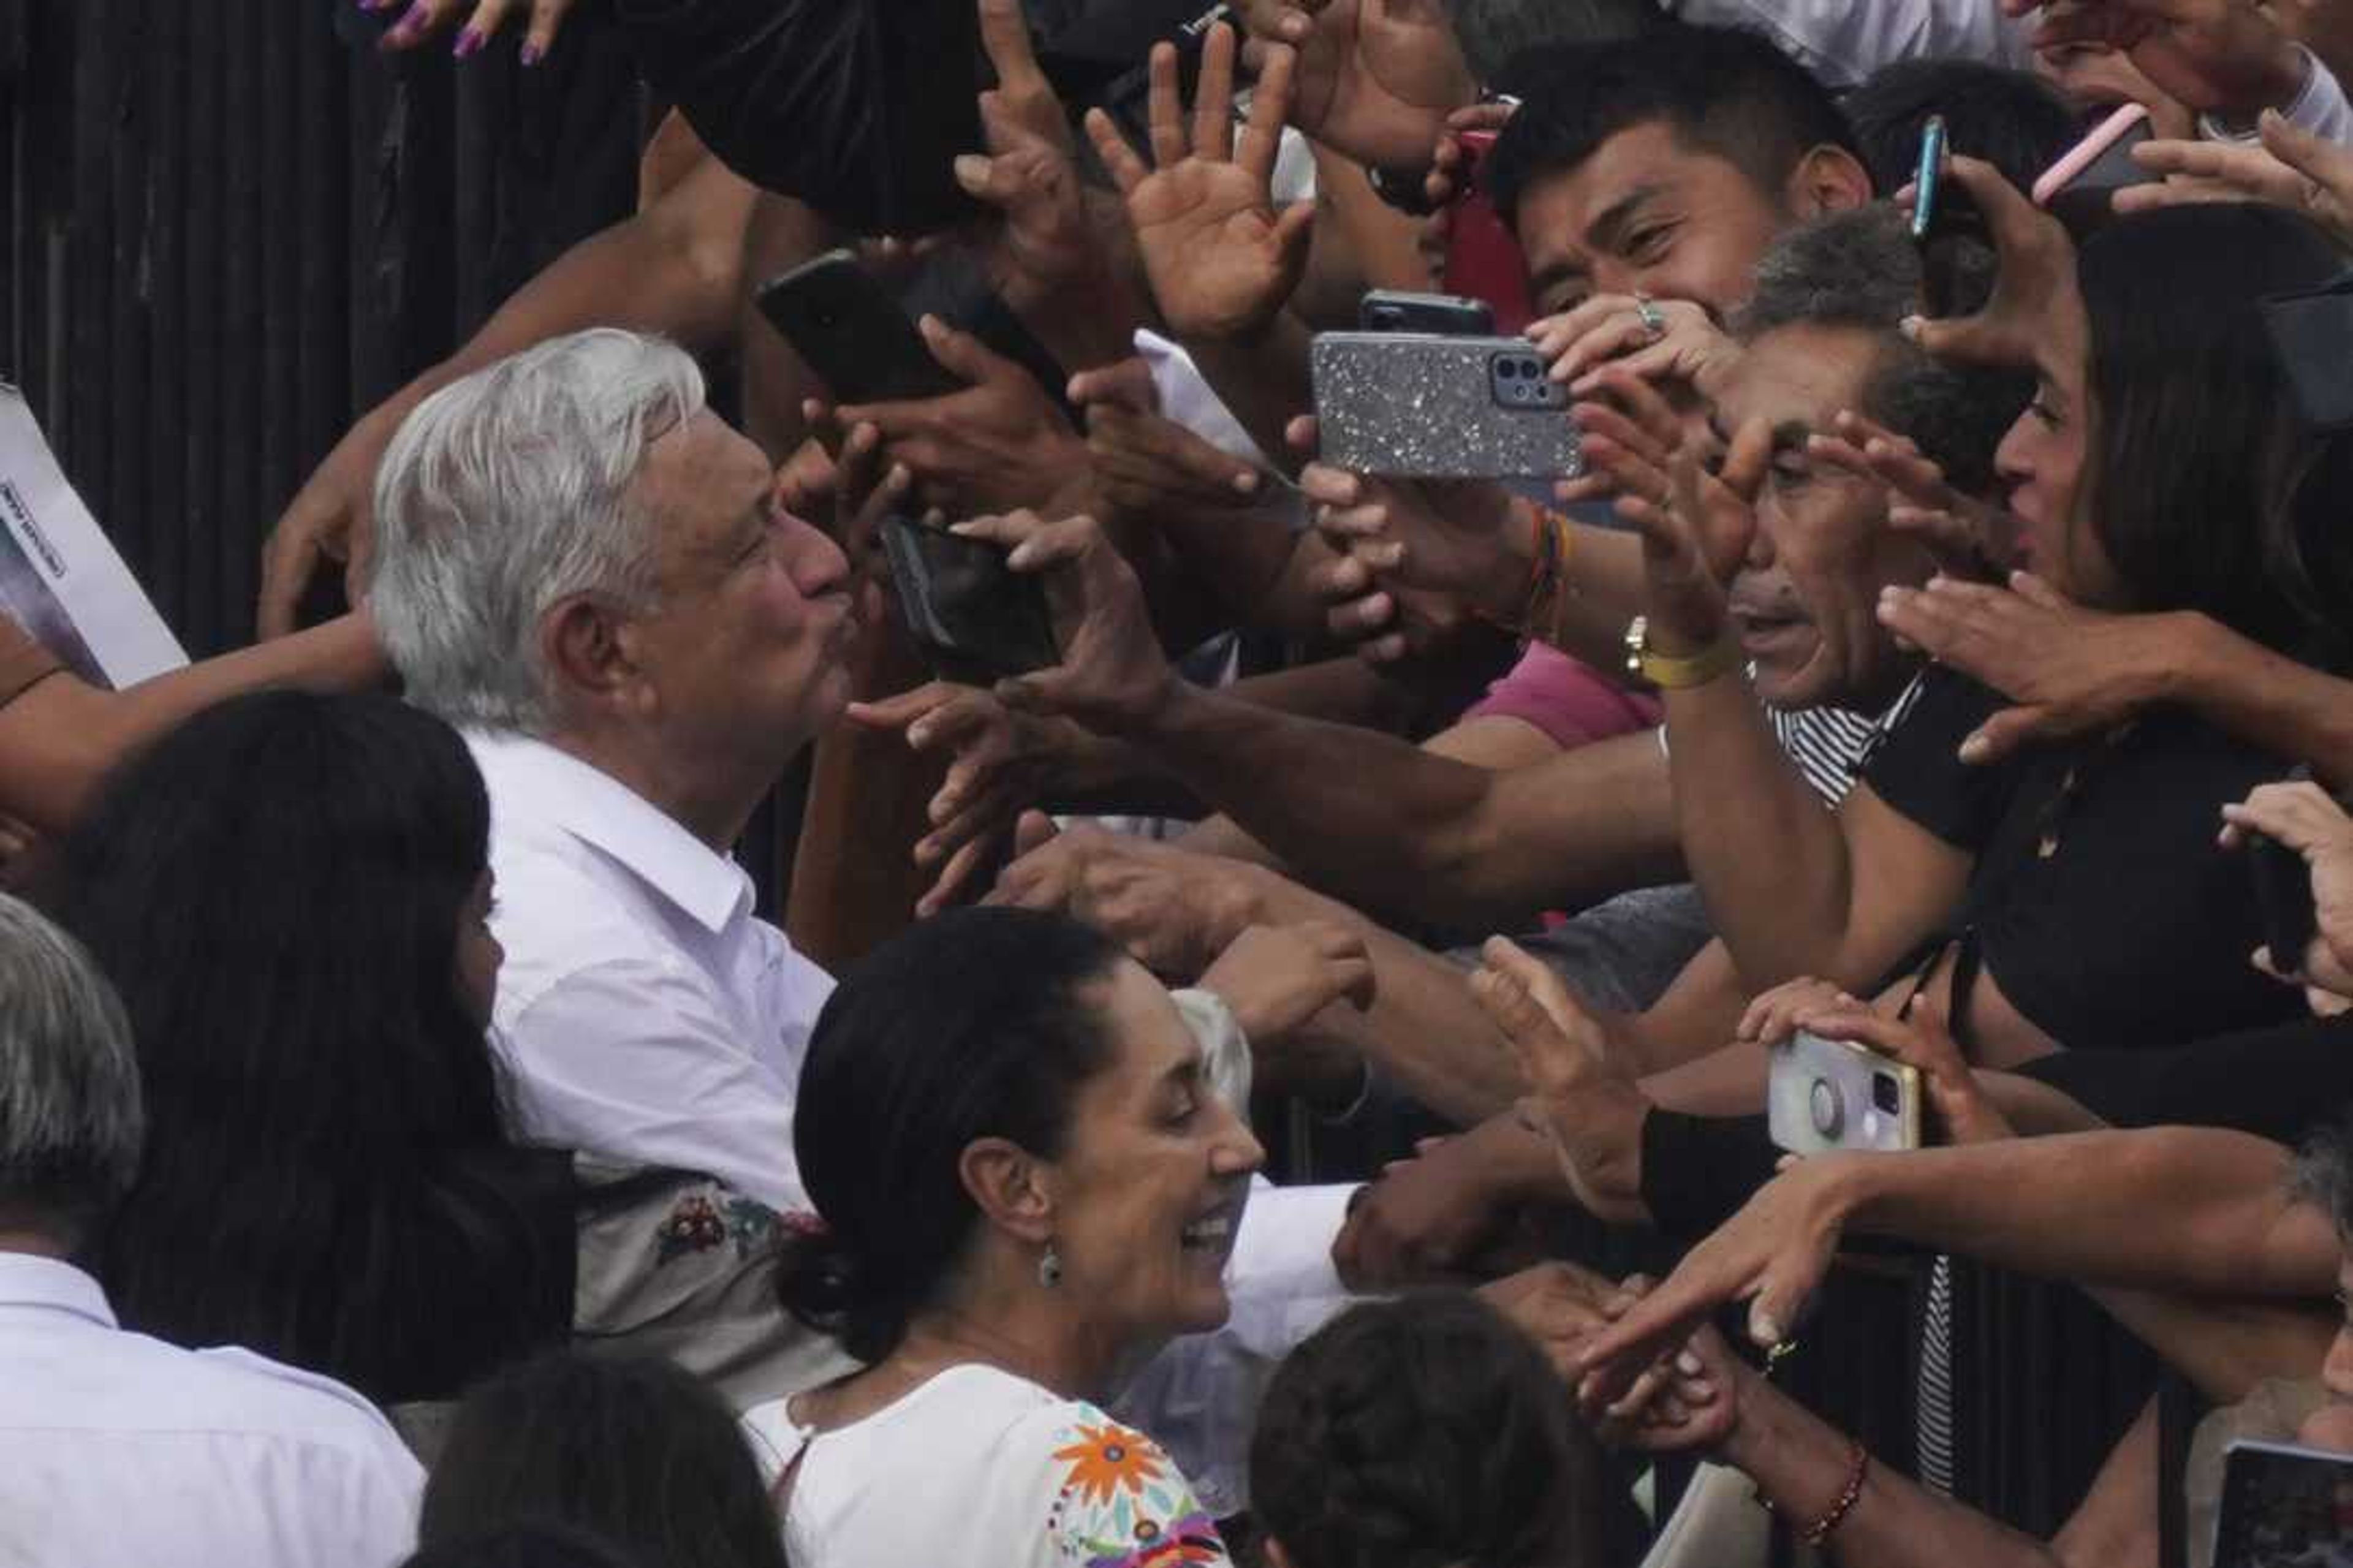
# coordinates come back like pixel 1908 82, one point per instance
pixel 1568 699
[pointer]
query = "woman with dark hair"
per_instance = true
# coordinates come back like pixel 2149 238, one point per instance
pixel 1031 1182
pixel 631 1449
pixel 291 891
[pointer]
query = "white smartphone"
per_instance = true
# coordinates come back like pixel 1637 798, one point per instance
pixel 1824 1095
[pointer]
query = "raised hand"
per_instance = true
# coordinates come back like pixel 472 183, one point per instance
pixel 1042 243
pixel 1376 78
pixel 1695 526
pixel 1113 676
pixel 2292 168
pixel 425 20
pixel 2034 319
pixel 1686 349
pixel 2067 670
pixel 2307 819
pixel 1925 1043
pixel 1000 763
pixel 1774 1254
pixel 1221 261
pixel 1173 909
pixel 1000 443
pixel 1277 978
pixel 1148 465
pixel 1967 537
pixel 1590 1108
pixel 2219 55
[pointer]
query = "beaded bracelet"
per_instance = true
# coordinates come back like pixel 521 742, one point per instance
pixel 1821 1529
pixel 1547 572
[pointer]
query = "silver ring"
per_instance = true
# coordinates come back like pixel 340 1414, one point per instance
pixel 1653 319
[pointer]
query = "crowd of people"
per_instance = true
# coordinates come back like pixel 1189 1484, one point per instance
pixel 1301 1077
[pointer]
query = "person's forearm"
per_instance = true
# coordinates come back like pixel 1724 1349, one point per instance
pixel 1262 379
pixel 61 737
pixel 1425 1029
pixel 1697 1015
pixel 2201 1210
pixel 1772 863
pixel 2225 1347
pixel 2263 697
pixel 1802 1466
pixel 673 270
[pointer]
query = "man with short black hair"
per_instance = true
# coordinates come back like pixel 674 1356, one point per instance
pixel 115 1448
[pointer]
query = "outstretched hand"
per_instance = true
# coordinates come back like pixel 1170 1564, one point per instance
pixel 2222 57
pixel 1376 78
pixel 1221 261
pixel 2292 168
pixel 2067 670
pixel 1113 676
pixel 425 20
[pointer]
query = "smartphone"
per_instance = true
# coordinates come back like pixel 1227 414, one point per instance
pixel 1483 260
pixel 1927 176
pixel 2284 1506
pixel 1448 315
pixel 852 334
pixel 976 618
pixel 2282 893
pixel 1824 1095
pixel 2076 189
pixel 1415 404
pixel 948 282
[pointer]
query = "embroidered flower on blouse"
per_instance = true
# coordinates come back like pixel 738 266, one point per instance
pixel 1122 1505
pixel 699 1223
pixel 1107 1458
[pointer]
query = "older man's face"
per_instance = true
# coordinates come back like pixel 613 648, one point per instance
pixel 747 651
pixel 1804 602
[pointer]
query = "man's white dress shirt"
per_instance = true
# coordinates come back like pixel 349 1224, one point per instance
pixel 121 1451
pixel 646 1014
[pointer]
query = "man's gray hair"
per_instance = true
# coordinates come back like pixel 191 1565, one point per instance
pixel 507 492
pixel 70 1119
pixel 1863 270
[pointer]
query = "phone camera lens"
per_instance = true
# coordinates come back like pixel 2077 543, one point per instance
pixel 1507 368
pixel 1521 394
pixel 1823 1105
pixel 1885 1094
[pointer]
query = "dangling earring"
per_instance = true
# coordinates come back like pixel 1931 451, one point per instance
pixel 1050 1267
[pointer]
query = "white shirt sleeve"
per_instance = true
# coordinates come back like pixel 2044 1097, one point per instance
pixel 1844 42
pixel 631 1061
pixel 2318 107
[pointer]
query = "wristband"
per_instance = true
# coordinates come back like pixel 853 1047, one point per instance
pixel 1671 672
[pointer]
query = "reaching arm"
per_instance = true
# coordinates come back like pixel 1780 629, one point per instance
pixel 62 736
pixel 673 269
pixel 1378 820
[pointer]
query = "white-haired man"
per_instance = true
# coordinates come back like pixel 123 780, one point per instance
pixel 586 571
pixel 115 1448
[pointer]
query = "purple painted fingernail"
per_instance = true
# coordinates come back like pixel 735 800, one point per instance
pixel 469 43
pixel 533 52
pixel 414 22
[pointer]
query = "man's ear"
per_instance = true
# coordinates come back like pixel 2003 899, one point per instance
pixel 590 655
pixel 1829 179
pixel 1011 1187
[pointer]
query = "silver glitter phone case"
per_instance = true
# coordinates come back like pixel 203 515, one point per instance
pixel 1441 407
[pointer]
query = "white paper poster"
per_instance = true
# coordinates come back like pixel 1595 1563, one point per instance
pixel 60 578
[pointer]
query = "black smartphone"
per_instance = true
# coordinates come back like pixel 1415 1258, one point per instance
pixel 949 282
pixel 2283 897
pixel 1448 315
pixel 2284 1507
pixel 1128 99
pixel 976 619
pixel 852 334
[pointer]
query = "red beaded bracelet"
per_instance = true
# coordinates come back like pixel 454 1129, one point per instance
pixel 1821 1529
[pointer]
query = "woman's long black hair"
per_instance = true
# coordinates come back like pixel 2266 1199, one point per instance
pixel 276 888
pixel 2206 487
